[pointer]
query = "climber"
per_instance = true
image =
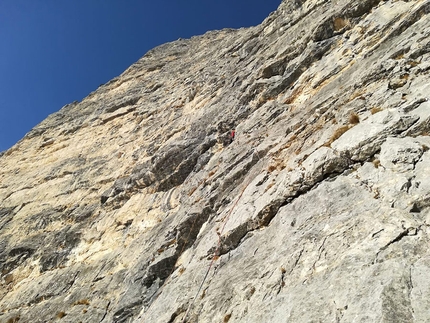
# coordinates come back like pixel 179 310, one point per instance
pixel 232 135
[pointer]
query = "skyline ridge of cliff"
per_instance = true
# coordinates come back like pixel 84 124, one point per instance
pixel 58 52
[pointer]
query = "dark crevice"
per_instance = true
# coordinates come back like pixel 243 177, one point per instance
pixel 297 261
pixel 405 233
pixel 124 314
pixel 168 169
pixel 287 73
pixel 181 239
pixel 338 23
pixel 292 73
pixel 406 186
pixel 263 180
pixel 39 299
pixel 361 8
pixel 72 282
pixel 57 249
pixel 15 257
pixel 377 233
pixel 235 237
pixel 281 281
pixel 126 102
pixel 420 204
pixel 178 312
pixel 420 51
pixel 232 179
pixel 105 313
pixel 231 165
pixel 105 120
pixel 415 208
pixel 159 270
pixel 6 215
pixel 305 14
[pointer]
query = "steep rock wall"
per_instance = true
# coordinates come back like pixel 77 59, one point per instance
pixel 133 205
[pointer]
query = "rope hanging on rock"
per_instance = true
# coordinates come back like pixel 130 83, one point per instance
pixel 215 256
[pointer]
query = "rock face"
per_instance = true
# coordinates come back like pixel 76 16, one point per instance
pixel 135 206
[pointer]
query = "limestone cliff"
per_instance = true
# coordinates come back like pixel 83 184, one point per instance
pixel 135 206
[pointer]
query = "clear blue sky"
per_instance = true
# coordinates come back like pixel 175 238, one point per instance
pixel 53 52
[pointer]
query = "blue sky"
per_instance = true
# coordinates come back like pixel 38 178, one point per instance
pixel 53 52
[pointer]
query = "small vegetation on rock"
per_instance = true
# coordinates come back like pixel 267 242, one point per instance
pixel 375 110
pixel 354 118
pixel 271 168
pixel 227 318
pixel 376 163
pixel 340 23
pixel 211 173
pixel 269 186
pixel 61 315
pixel 339 132
pixel 82 302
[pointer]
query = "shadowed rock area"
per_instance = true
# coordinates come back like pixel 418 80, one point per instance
pixel 135 205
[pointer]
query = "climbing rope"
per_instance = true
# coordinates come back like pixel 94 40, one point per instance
pixel 216 254
pixel 214 257
pixel 169 277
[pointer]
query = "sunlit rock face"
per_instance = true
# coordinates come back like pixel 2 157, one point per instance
pixel 136 205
